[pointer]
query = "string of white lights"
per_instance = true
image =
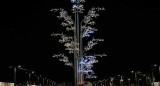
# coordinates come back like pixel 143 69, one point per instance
pixel 71 43
pixel 68 22
pixel 92 43
pixel 64 59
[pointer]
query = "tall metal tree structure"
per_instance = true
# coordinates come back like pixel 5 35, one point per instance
pixel 83 62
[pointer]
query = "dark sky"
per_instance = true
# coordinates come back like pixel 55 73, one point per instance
pixel 130 29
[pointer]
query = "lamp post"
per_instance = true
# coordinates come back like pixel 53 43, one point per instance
pixel 47 82
pixel 152 72
pixel 29 79
pixel 29 72
pixel 43 81
pixel 139 82
pixel 153 78
pixel 158 72
pixel 155 68
pixel 121 81
pixel 159 69
pixel 15 73
pixel 136 78
pixel 15 70
pixel 146 79
pixel 38 79
pixel 30 76
pixel 129 81
pixel 135 75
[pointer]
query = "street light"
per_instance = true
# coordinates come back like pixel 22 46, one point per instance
pixel 145 76
pixel 15 72
pixel 47 81
pixel 139 81
pixel 129 81
pixel 153 67
pixel 28 71
pixel 135 74
pixel 121 80
pixel 29 78
pixel 43 81
pixel 38 79
pixel 132 71
pixel 159 70
pixel 156 65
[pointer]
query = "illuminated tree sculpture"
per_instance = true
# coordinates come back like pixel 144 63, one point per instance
pixel 83 62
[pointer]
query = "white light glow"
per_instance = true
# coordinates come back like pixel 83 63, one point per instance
pixel 73 44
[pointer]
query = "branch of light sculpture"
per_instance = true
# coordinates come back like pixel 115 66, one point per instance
pixel 92 43
pixel 68 22
pixel 64 59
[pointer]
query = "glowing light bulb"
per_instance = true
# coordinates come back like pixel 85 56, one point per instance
pixel 73 1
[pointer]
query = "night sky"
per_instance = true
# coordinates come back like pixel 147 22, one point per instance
pixel 130 29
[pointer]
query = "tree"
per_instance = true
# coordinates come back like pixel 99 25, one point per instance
pixel 83 60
